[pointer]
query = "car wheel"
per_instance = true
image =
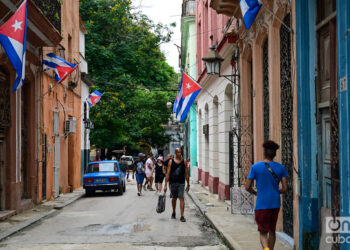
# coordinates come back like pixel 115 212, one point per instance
pixel 89 192
pixel 124 187
pixel 120 189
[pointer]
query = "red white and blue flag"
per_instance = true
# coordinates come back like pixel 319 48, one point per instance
pixel 13 37
pixel 175 103
pixel 189 90
pixel 94 98
pixel 61 67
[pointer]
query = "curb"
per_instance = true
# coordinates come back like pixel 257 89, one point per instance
pixel 35 219
pixel 203 209
pixel 68 202
pixel 25 224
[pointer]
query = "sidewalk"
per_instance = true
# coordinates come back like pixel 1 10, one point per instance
pixel 239 231
pixel 20 221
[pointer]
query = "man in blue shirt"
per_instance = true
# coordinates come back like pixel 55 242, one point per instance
pixel 267 175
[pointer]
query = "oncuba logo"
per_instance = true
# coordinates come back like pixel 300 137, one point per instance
pixel 338 225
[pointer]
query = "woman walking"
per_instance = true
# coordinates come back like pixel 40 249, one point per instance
pixel 160 173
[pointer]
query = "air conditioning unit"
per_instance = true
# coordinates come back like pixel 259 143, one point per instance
pixel 71 124
pixel 206 129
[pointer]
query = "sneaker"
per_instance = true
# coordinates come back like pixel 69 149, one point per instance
pixel 173 215
pixel 182 219
pixel 138 194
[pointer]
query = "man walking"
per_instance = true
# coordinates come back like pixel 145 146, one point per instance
pixel 124 165
pixel 177 172
pixel 267 175
pixel 139 168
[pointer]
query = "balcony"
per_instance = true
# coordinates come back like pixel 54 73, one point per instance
pixel 44 20
pixel 52 10
pixel 227 7
pixel 188 8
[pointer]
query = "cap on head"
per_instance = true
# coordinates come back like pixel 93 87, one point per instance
pixel 141 155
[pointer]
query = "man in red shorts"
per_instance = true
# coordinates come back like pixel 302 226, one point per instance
pixel 267 175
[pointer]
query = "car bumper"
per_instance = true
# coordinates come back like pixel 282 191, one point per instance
pixel 108 186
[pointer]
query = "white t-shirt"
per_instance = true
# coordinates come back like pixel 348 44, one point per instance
pixel 149 165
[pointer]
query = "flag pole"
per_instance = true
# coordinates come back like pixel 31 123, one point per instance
pixel 279 19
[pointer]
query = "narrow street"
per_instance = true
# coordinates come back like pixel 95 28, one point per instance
pixel 109 221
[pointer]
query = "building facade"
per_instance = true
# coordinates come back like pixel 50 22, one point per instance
pixel 323 58
pixel 188 64
pixel 39 157
pixel 214 102
pixel 20 140
pixel 61 112
pixel 267 103
pixel 86 83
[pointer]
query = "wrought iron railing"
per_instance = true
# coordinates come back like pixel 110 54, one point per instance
pixel 52 10
pixel 287 123
pixel 189 8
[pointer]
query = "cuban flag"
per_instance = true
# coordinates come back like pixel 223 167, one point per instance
pixel 13 37
pixel 189 90
pixel 175 104
pixel 94 98
pixel 250 9
pixel 61 67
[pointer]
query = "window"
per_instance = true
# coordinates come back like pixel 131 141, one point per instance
pixel 102 167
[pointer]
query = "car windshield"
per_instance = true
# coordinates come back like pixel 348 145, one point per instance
pixel 102 167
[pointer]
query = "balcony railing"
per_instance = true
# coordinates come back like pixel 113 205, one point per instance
pixel 52 10
pixel 189 8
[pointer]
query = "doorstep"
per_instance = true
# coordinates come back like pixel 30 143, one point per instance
pixel 5 214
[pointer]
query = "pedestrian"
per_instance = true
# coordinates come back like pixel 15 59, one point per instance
pixel 160 174
pixel 149 172
pixel 176 175
pixel 139 168
pixel 124 165
pixel 166 162
pixel 267 175
pixel 98 156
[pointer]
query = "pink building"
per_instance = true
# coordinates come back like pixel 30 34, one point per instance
pixel 215 103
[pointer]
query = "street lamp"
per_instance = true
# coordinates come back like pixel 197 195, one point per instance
pixel 169 103
pixel 213 61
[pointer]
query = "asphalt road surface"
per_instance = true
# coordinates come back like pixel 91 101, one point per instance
pixel 109 221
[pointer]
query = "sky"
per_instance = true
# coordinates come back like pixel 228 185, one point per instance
pixel 165 12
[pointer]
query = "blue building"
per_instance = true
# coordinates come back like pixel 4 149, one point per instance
pixel 323 68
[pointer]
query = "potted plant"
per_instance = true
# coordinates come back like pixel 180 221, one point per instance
pixel 231 36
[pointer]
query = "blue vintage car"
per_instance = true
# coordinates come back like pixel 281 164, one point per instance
pixel 105 176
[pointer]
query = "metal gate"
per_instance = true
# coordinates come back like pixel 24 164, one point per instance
pixel 242 202
pixel 287 123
